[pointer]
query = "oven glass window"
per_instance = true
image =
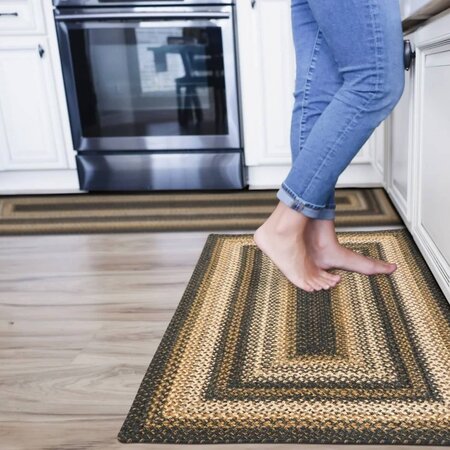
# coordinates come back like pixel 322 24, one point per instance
pixel 144 81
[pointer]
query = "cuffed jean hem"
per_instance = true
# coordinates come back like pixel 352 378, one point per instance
pixel 288 197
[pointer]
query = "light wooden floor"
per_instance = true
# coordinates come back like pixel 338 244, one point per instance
pixel 80 319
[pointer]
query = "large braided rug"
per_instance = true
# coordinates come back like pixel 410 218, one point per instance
pixel 248 357
pixel 173 211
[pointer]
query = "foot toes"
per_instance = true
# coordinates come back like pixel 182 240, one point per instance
pixel 384 267
pixel 325 284
pixel 307 287
pixel 391 267
pixel 335 277
pixel 315 284
pixel 304 285
pixel 331 278
pixel 322 281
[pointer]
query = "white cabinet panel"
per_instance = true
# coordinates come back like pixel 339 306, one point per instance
pixel 30 130
pixel 278 75
pixel 434 162
pixel 267 75
pixel 400 145
pixel 400 141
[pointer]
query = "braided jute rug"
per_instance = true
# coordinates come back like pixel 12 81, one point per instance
pixel 249 358
pixel 173 211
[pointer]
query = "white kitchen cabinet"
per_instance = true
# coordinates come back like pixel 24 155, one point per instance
pixel 30 131
pixel 267 77
pixel 36 152
pixel 431 146
pixel 418 146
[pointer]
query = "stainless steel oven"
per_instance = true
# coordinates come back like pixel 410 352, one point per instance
pixel 152 93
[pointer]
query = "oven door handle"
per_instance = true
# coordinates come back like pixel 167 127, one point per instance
pixel 151 15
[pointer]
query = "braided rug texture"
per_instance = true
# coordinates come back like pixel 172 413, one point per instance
pixel 173 211
pixel 249 358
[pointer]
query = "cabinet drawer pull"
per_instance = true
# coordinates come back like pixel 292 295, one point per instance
pixel 11 14
pixel 253 3
pixel 41 51
pixel 408 54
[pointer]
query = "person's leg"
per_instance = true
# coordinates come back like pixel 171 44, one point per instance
pixel 368 50
pixel 281 237
pixel 366 40
pixel 317 80
pixel 321 239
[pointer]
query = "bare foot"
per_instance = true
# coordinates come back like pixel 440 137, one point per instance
pixel 326 252
pixel 281 238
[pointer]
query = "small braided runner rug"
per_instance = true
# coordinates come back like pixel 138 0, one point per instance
pixel 173 211
pixel 249 358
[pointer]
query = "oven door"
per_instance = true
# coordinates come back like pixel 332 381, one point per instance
pixel 146 79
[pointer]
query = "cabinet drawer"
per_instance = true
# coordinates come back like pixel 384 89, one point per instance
pixel 21 17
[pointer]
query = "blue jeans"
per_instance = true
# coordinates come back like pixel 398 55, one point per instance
pixel 349 77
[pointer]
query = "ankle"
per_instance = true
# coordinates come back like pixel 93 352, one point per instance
pixel 320 241
pixel 285 221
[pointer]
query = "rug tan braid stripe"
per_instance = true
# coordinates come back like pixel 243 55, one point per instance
pixel 339 311
pixel 172 211
pixel 309 365
pixel 328 364
pixel 247 357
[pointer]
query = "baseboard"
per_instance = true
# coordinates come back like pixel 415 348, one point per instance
pixel 356 175
pixel 38 182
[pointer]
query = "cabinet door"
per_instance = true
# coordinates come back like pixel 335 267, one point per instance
pixel 267 75
pixel 30 130
pixel 433 153
pixel 400 146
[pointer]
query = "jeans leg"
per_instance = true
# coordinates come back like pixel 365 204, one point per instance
pixel 311 94
pixel 366 41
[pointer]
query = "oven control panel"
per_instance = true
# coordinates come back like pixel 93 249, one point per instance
pixel 81 3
